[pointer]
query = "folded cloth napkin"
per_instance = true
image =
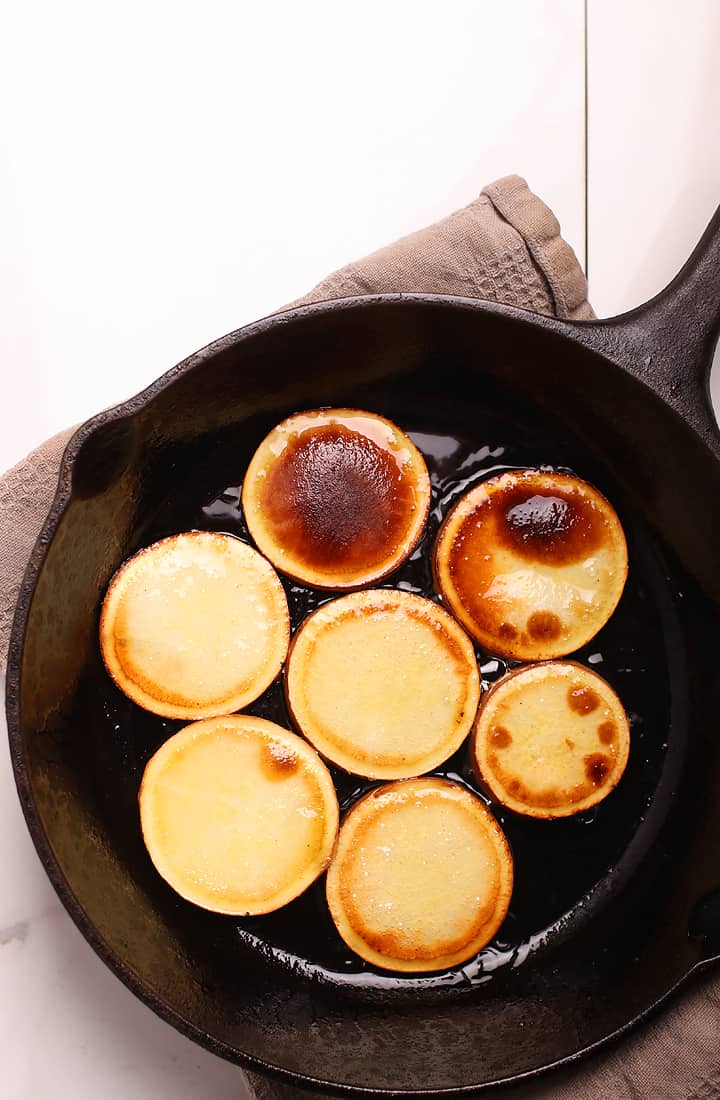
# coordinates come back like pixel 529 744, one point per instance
pixel 504 247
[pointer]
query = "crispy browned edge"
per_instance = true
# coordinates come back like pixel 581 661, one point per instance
pixel 180 713
pixel 293 714
pixel 439 568
pixel 505 856
pixel 497 793
pixel 324 863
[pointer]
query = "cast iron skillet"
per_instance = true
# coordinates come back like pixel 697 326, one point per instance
pixel 613 910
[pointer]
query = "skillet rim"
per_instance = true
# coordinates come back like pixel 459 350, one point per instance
pixel 586 334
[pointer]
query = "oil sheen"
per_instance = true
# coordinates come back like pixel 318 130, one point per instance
pixel 562 867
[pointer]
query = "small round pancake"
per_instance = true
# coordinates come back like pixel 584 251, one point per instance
pixel 195 625
pixel 532 563
pixel 336 498
pixel 421 877
pixel 238 815
pixel 550 740
pixel 383 683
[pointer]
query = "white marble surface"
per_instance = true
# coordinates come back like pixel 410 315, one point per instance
pixel 170 171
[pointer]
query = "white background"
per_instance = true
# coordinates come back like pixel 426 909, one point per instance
pixel 169 171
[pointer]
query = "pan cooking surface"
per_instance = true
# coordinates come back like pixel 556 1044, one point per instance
pixel 565 870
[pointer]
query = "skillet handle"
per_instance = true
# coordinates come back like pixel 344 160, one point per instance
pixel 668 343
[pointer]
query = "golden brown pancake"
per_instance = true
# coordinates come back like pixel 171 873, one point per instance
pixel 336 498
pixel 195 625
pixel 238 815
pixel 383 683
pixel 550 740
pixel 421 876
pixel 531 563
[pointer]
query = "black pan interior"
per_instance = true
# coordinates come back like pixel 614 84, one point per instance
pixel 602 904
pixel 560 864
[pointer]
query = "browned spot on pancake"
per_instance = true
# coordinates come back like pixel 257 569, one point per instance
pixel 501 737
pixel 278 761
pixel 544 625
pixel 337 498
pixel 547 798
pixel 400 945
pixel 543 798
pixel 470 565
pixel 597 768
pixel 579 792
pixel 583 700
pixel 570 743
pixel 557 525
pixel 606 732
pixel 390 944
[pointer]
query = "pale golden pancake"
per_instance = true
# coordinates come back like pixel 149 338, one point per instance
pixel 421 877
pixel 532 563
pixel 336 498
pixel 238 815
pixel 550 740
pixel 383 683
pixel 195 625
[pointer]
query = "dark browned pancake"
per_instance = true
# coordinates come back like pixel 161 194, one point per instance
pixel 532 563
pixel 550 740
pixel 421 877
pixel 336 498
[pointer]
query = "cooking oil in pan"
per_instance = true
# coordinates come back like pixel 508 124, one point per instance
pixel 564 869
